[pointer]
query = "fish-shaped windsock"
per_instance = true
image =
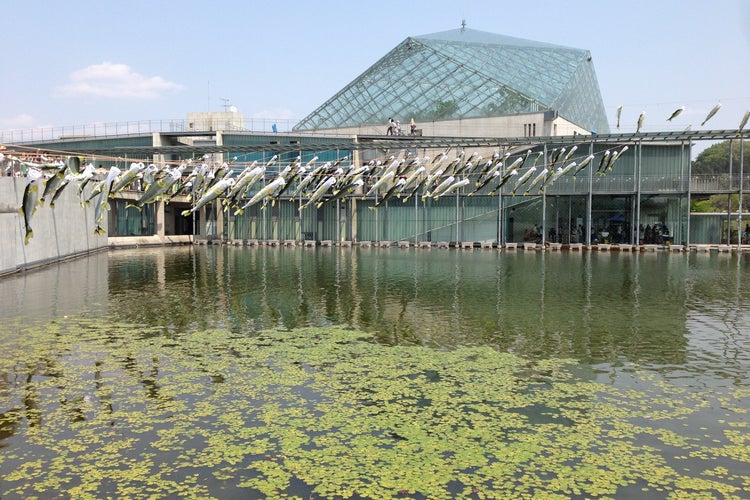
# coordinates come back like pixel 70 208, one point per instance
pixel 266 192
pixel 54 182
pixel 615 156
pixel 28 204
pixel 128 177
pixel 388 194
pixel 570 154
pixel 539 178
pixel 272 160
pixel 538 155
pixel 341 193
pixel 84 177
pixel 213 193
pixel 486 181
pixel 158 188
pixel 711 114
pixel 503 180
pixel 603 162
pixel 321 189
pixel 617 115
pixel 583 164
pixel 60 188
pixel 440 187
pixel 743 122
pixel 641 117
pixel 380 183
pixel 564 170
pixel 676 113
pixel 522 180
pixel 452 187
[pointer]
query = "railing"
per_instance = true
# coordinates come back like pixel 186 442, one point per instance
pixel 719 183
pixel 257 125
pixel 712 183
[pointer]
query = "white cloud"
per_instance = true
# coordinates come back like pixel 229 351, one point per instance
pixel 115 80
pixel 19 121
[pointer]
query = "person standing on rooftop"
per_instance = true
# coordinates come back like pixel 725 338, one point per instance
pixel 391 127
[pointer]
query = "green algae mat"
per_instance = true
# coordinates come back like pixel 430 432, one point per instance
pixel 91 409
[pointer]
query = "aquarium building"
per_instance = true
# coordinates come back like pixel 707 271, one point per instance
pixel 468 92
pixel 467 83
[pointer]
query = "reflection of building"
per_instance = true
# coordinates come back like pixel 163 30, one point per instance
pixel 467 91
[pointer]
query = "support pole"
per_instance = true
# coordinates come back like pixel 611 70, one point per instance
pixel 589 199
pixel 638 185
pixel 416 222
pixel 689 189
pixel 457 220
pixel 739 201
pixel 500 235
pixel 729 195
pixel 544 200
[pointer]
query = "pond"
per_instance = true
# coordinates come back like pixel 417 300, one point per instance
pixel 243 372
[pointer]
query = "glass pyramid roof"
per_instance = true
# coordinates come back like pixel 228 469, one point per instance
pixel 466 73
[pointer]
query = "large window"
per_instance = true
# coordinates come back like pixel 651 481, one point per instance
pixel 129 221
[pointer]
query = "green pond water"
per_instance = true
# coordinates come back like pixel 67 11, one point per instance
pixel 230 372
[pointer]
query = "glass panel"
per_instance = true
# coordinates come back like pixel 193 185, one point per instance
pixel 466 74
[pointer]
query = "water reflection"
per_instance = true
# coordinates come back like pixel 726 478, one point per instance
pixel 176 346
pixel 595 307
pixel 652 308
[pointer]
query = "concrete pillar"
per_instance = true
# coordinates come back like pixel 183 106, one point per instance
pixel 159 225
pixel 220 233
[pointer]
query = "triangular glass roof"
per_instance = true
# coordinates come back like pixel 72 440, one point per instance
pixel 467 73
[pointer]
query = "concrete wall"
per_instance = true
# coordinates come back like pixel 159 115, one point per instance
pixel 499 126
pixel 59 233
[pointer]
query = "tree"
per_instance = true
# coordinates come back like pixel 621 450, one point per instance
pixel 444 109
pixel 714 203
pixel 715 159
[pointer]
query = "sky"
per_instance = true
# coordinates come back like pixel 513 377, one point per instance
pixel 85 62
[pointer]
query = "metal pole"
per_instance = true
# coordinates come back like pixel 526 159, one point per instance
pixel 544 200
pixel 425 222
pixel 300 218
pixel 557 219
pixel 500 235
pixel 739 200
pixel 416 222
pixel 338 221
pixel 589 199
pixel 457 221
pixel 544 216
pixel 570 217
pixel 638 186
pixel 377 228
pixel 729 195
pixel 689 190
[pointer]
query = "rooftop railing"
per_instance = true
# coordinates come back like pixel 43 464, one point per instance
pixel 40 134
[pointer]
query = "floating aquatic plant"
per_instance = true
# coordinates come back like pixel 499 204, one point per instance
pixel 92 409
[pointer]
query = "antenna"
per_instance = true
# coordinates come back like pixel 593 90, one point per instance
pixel 463 25
pixel 226 103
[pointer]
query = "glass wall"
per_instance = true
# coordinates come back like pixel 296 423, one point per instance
pixel 129 221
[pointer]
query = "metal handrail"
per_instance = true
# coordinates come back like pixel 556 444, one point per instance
pixel 20 136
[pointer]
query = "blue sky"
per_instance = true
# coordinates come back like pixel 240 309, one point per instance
pixel 81 62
